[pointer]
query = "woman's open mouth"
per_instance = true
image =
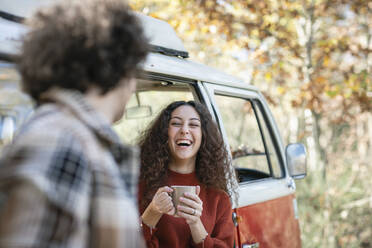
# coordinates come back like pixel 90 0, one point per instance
pixel 183 143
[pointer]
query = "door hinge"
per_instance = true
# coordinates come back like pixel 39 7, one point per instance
pixel 236 219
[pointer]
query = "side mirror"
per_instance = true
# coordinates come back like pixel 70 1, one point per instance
pixel 296 160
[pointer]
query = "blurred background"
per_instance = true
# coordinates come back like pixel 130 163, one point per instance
pixel 313 61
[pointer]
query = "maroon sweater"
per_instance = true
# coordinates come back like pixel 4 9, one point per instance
pixel 174 232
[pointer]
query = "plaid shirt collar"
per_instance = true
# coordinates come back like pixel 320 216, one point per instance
pixel 126 156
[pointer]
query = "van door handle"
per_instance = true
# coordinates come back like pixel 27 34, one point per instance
pixel 255 245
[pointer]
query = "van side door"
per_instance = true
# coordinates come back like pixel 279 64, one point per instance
pixel 266 212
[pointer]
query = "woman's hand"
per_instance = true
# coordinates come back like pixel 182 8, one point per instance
pixel 191 211
pixel 191 208
pixel 162 201
pixel 161 204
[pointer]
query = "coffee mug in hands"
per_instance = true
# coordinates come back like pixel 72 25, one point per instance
pixel 179 191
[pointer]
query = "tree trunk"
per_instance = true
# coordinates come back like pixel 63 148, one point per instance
pixel 322 155
pixel 369 125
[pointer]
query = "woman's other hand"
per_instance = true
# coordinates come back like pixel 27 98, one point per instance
pixel 162 201
pixel 191 211
pixel 191 208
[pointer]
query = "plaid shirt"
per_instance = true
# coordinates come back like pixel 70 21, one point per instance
pixel 67 181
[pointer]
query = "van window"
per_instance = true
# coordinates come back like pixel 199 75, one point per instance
pixel 146 103
pixel 15 106
pixel 251 145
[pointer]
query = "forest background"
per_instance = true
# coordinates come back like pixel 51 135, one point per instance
pixel 312 59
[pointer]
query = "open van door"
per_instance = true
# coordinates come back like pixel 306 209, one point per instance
pixel 266 213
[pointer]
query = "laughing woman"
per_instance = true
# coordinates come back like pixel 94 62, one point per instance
pixel 183 146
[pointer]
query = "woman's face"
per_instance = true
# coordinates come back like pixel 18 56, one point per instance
pixel 184 133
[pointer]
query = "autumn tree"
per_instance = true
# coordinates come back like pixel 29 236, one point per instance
pixel 312 59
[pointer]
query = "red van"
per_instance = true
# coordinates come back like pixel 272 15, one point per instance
pixel 266 213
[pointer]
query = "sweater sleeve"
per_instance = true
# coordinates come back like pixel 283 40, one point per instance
pixel 151 239
pixel 222 235
pixel 148 233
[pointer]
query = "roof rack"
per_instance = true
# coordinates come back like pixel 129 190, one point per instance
pixel 163 38
pixel 11 17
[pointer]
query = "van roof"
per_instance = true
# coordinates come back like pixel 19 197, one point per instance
pixel 161 35
pixel 168 51
pixel 10 33
pixel 158 63
pixel 23 8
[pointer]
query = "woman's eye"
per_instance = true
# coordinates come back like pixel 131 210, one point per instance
pixel 176 124
pixel 194 125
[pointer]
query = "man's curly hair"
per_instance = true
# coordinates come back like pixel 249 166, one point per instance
pixel 212 161
pixel 79 44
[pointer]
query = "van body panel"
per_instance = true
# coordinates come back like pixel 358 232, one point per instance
pixel 270 224
pixel 261 191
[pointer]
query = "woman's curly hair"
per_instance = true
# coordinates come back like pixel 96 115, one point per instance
pixel 212 161
pixel 80 44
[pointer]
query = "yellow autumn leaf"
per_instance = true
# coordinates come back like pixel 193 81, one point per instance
pixel 268 76
pixel 326 61
pixel 281 90
pixel 155 15
pixel 255 32
pixel 204 29
pixel 320 80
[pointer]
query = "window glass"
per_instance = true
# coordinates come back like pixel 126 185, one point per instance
pixel 270 147
pixel 15 106
pixel 144 106
pixel 250 143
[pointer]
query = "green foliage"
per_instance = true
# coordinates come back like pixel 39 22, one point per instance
pixel 336 214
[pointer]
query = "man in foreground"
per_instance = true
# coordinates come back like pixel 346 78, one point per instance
pixel 67 180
